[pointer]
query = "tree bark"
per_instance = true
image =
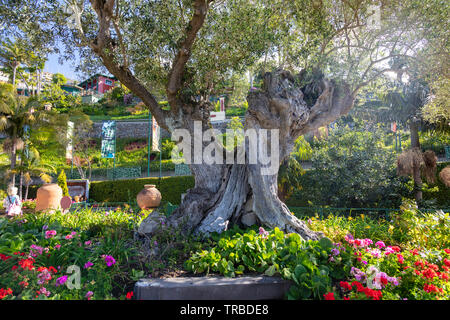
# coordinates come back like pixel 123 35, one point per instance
pixel 415 143
pixel 224 193
pixel 13 162
pixel 14 75
pixel 26 191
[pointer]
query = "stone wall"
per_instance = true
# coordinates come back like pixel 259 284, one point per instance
pixel 139 129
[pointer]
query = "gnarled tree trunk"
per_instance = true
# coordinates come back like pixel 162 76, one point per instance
pixel 224 193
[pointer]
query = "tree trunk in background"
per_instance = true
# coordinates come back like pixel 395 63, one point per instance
pixel 26 190
pixel 226 193
pixel 415 143
pixel 13 162
pixel 14 75
pixel 20 186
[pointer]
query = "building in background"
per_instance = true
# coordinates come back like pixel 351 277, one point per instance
pixel 98 83
pixel 95 86
pixel 72 89
pixel 4 78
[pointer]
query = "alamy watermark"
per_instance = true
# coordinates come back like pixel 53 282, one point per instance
pixel 253 146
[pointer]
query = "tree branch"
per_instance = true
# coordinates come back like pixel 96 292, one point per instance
pixel 184 52
pixel 103 46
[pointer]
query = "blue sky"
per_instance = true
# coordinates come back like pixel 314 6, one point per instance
pixel 52 65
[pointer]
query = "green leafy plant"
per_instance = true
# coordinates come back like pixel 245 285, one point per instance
pixel 62 182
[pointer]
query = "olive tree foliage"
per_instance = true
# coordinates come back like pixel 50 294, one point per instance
pixel 185 48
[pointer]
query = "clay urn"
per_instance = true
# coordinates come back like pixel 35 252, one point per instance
pixel 149 197
pixel 49 197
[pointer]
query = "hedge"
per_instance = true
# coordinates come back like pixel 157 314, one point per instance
pixel 120 172
pixel 126 190
pixel 441 194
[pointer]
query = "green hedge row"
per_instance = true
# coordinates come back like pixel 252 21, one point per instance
pixel 171 189
pixel 438 192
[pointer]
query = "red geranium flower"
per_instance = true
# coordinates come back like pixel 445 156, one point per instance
pixel 129 295
pixel 345 285
pixel 430 288
pixel 5 292
pixel 27 263
pixel 52 269
pixel 329 296
pixel 359 286
pixel 447 262
pixel 4 257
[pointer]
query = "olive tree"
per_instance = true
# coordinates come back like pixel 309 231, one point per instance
pixel 184 48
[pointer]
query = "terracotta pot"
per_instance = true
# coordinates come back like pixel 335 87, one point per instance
pixel 48 197
pixel 149 197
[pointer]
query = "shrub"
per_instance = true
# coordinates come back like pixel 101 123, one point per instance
pixel 274 252
pixel 351 169
pixel 171 189
pixel 62 182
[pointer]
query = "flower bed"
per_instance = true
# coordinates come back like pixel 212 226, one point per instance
pixel 414 266
pixel 42 255
pixel 361 258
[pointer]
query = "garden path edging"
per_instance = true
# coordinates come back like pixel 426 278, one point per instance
pixel 212 288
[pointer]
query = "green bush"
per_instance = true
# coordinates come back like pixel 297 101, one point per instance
pixel 62 182
pixel 270 253
pixel 352 168
pixel 171 189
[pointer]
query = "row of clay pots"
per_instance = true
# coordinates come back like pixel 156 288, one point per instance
pixel 49 197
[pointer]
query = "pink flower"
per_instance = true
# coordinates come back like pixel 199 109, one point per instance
pixel 388 251
pixel 263 233
pixel 50 234
pixel 380 244
pixel 61 280
pixel 58 246
pixel 89 294
pixel 88 264
pixel 44 291
pixel 69 236
pixel 109 260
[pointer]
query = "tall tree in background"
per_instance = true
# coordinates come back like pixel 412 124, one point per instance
pixel 12 55
pixel 15 115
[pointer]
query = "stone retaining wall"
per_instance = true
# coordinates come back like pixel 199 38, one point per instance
pixel 139 129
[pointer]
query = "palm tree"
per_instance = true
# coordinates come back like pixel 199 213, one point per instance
pixel 32 167
pixel 405 102
pixel 12 54
pixel 15 115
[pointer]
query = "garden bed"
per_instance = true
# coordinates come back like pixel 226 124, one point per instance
pixel 405 258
